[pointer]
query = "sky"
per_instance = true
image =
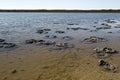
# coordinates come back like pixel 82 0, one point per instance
pixel 60 4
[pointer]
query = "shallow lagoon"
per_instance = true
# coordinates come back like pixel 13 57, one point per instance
pixel 34 62
pixel 17 27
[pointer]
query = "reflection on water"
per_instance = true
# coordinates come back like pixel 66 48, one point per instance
pixel 17 27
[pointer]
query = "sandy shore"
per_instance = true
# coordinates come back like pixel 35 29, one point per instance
pixel 41 63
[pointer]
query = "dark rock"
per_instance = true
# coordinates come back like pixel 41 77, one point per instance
pixel 8 45
pixel 102 62
pixel 104 27
pixel 51 36
pixel 105 24
pixel 2 40
pixel 75 28
pixel 109 50
pixel 70 24
pixel 40 40
pixel 84 28
pixel 30 41
pixel 79 28
pixel 67 38
pixel 40 31
pixel 14 71
pixel 109 32
pixel 68 28
pixel 45 31
pixel 107 66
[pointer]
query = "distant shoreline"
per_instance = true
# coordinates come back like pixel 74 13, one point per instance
pixel 64 11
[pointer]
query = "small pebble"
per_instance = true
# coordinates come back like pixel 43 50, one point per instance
pixel 13 71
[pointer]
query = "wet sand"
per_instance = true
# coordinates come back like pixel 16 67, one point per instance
pixel 41 63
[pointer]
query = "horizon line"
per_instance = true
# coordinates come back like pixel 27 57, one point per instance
pixel 59 9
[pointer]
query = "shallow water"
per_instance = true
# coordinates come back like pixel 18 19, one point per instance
pixel 34 62
pixel 17 27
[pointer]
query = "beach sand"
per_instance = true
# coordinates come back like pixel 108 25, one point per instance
pixel 42 63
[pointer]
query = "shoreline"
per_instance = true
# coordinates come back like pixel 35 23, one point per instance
pixel 63 11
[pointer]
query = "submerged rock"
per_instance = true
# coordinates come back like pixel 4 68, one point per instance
pixel 110 32
pixel 94 39
pixel 104 27
pixel 47 29
pixel 2 40
pixel 107 66
pixel 94 30
pixel 51 36
pixel 104 52
pixel 79 28
pixel 60 32
pixel 41 31
pixel 118 26
pixel 40 42
pixel 7 45
pixel 72 24
pixel 56 23
pixel 61 46
pixel 49 43
pixel 30 41
pixel 67 38
pixel 110 21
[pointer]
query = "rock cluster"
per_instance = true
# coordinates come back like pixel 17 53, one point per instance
pixel 51 36
pixel 48 43
pixel 41 31
pixel 104 52
pixel 4 44
pixel 94 39
pixel 40 42
pixel 107 66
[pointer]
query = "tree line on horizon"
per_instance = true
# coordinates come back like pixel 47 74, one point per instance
pixel 76 11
